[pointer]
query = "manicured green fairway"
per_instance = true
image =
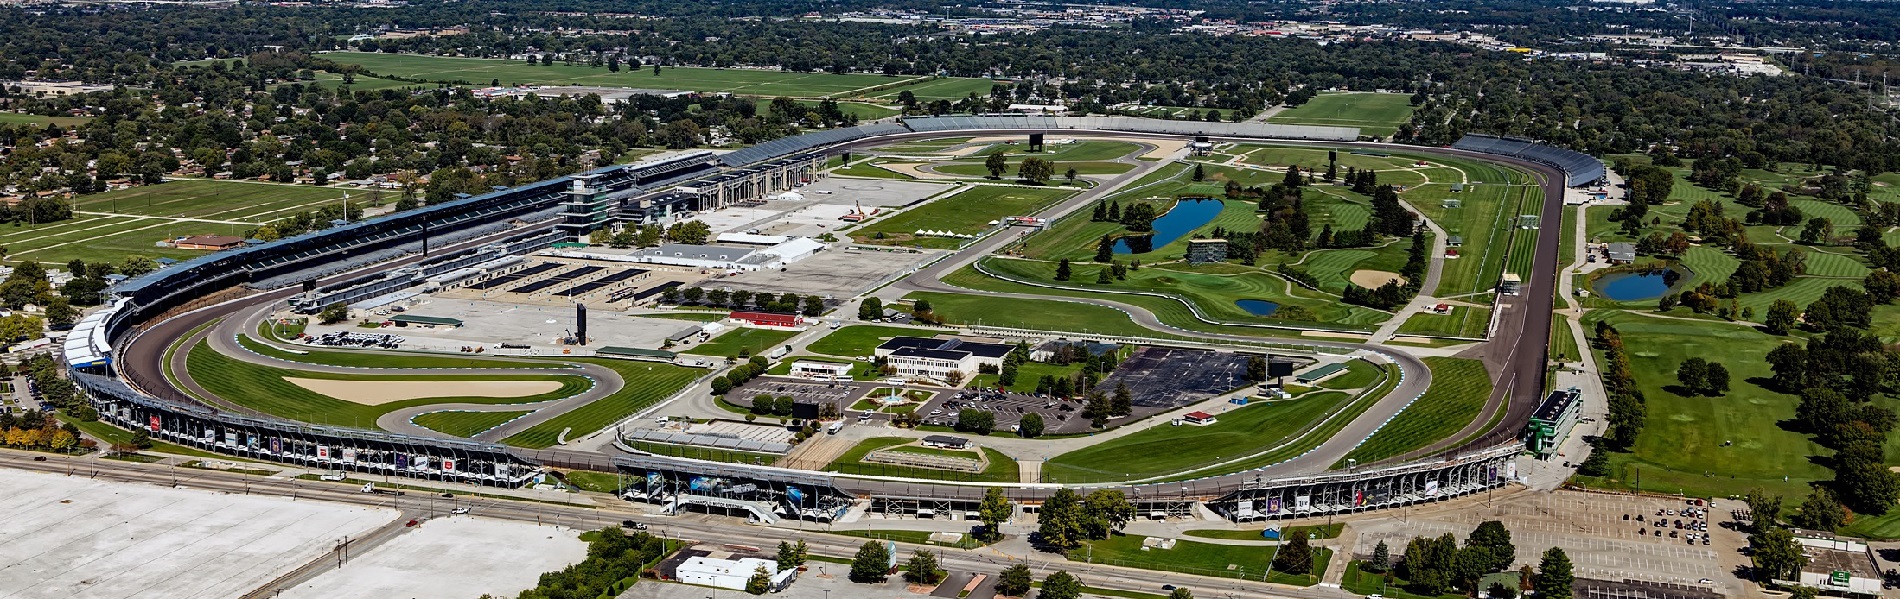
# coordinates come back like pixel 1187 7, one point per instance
pixel 265 389
pixel 1165 449
pixel 1213 291
pixel 646 384
pixel 1458 393
pixel 1042 315
pixel 755 82
pixel 1375 114
pixel 945 88
pixel 464 424
pixel 1358 375
pixel 241 201
pixel 1461 321
pixel 858 340
pixel 748 340
pixel 977 169
pixel 1205 559
pixel 366 359
pixel 1080 151
pixel 1681 448
pixel 968 212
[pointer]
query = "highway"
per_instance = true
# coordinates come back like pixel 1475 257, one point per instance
pixel 1517 354
pixel 698 529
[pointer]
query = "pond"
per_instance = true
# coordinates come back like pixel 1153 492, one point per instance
pixel 1257 307
pixel 1632 286
pixel 1186 216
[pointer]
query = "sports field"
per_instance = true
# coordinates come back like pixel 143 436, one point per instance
pixel 753 82
pixel 1164 450
pixel 17 118
pixel 1205 559
pixel 1375 114
pixel 967 212
pixel 114 225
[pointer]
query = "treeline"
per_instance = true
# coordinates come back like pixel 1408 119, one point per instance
pixel 614 562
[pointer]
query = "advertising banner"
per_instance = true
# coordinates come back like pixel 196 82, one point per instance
pixel 448 464
pixel 1431 488
pixel 323 452
pixel 1510 470
pixel 230 438
pixel 156 423
pixel 1273 505
pixel 349 455
pixel 1302 502
pixel 276 445
pixel 402 461
pixel 795 494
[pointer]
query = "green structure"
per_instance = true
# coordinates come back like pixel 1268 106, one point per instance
pixel 1553 421
pixel 587 209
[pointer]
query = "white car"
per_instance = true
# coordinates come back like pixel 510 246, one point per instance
pixel 459 510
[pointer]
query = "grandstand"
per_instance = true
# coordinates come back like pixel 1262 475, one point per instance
pixel 1579 169
pixel 1135 124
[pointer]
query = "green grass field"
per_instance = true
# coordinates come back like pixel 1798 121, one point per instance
pixel 1095 167
pixel 1001 467
pixel 1163 450
pixel 1358 375
pixel 1324 531
pixel 464 424
pixel 1027 374
pixel 968 212
pixel 1042 315
pixel 1461 321
pixel 1213 289
pixel 646 384
pixel 1375 114
pixel 129 222
pixel 863 110
pixel 1080 151
pixel 242 201
pixel 946 88
pixel 366 359
pixel 742 341
pixel 18 118
pixel 1681 448
pixel 1458 393
pixel 705 453
pixel 858 340
pixel 753 82
pixel 265 389
pixel 1205 559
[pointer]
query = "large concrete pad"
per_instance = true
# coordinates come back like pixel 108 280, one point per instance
pixel 459 556
pixel 75 537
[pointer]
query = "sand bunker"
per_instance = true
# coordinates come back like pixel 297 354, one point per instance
pixel 375 393
pixel 1372 279
pixel 1163 148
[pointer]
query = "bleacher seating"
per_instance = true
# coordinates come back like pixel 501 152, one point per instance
pixel 1579 168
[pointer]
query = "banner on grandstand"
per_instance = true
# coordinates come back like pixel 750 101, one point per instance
pixel 250 439
pixel 1302 502
pixel 349 455
pixel 501 471
pixel 1510 470
pixel 230 438
pixel 276 445
pixel 795 494
pixel 1273 505
pixel 323 452
pixel 1358 498
pixel 156 423
pixel 208 434
pixel 402 461
pixel 448 464
pixel 1431 488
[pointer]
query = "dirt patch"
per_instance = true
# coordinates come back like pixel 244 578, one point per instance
pixel 910 168
pixel 376 393
pixel 1163 148
pixel 1373 279
pixel 1333 335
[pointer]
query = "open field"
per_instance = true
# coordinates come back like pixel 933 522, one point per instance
pixel 647 384
pixel 73 535
pixel 754 82
pixel 1001 467
pixel 363 83
pixel 946 88
pixel 117 224
pixel 247 202
pixel 858 340
pixel 17 118
pixel 1163 450
pixel 744 341
pixel 1323 531
pixel 464 424
pixel 1214 290
pixel 967 212
pixel 1681 449
pixel 1045 315
pixel 1093 167
pixel 698 452
pixel 366 359
pixel 266 389
pixel 1205 559
pixel 1080 151
pixel 863 110
pixel 1375 114
pixel 1461 321
pixel 1070 316
pixel 1459 390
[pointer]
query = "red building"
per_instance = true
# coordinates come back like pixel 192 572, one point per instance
pixel 768 319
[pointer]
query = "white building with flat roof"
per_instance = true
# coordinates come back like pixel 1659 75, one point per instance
pixel 731 573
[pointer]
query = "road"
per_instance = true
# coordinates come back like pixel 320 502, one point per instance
pixel 710 530
pixel 1517 353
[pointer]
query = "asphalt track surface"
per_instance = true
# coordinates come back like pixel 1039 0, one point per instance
pixel 1517 354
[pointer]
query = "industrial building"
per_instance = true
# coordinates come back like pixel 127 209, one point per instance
pixel 731 574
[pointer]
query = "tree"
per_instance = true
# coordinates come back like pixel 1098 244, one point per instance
pixel 1883 286
pixel 1381 559
pixel 760 583
pixel 1496 540
pixel 1102 277
pixel 1070 175
pixel 1062 270
pixel 788 557
pixel 1554 578
pixel 1781 317
pixel 1060 585
pixel 972 420
pixel 1036 170
pixel 1294 556
pixel 871 308
pixel 1776 555
pixel 872 563
pixel 60 313
pixel 1715 382
pixel 1059 521
pixel 1199 174
pixel 1818 231
pixel 994 511
pixel 137 265
pixel 1105 249
pixel 996 163
pixel 1105 511
pixel 1015 581
pixel 334 313
pixel 1840 308
pixel 1180 593
pixel 1765 509
pixel 1123 402
pixel 1031 425
pixel 1693 375
pixel 922 568
pixel 1822 511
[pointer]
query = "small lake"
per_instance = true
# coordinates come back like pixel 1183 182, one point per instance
pixel 1186 216
pixel 1257 307
pixel 1631 286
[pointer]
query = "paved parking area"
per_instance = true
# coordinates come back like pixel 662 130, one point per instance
pixel 838 393
pixel 1058 417
pixel 1165 378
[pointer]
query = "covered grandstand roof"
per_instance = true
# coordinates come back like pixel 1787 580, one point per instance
pixel 1579 168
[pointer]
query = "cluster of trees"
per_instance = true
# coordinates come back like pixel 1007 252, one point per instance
pixel 1702 377
pixel 1771 547
pixel 785 303
pixel 35 430
pixel 1099 407
pixel 1139 217
pixel 1435 565
pixel 614 560
pixel 1626 406
pixel 1067 518
pixel 1012 364
pixel 629 236
pixel 740 375
pixel 1396 292
pixel 1838 374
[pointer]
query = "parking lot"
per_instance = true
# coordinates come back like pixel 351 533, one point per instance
pixel 1165 378
pixel 1058 417
pixel 838 393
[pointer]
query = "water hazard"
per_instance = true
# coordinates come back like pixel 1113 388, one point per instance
pixel 1186 216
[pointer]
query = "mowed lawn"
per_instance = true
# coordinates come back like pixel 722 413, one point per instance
pixel 1164 449
pixel 746 340
pixel 1459 390
pixel 1040 315
pixel 1681 448
pixel 968 212
pixel 1375 114
pixel 464 424
pixel 265 389
pixel 646 384
pixel 240 201
pixel 756 82
pixel 858 340
pixel 17 118
pixel 1205 559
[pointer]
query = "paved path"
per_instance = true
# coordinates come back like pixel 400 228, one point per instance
pixel 1427 289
